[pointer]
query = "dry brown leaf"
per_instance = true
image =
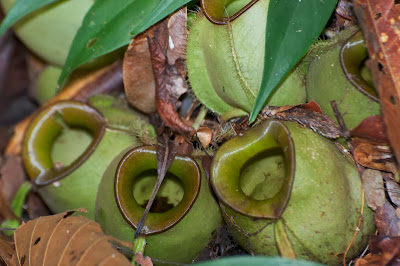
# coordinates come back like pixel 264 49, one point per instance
pixel 384 251
pixel 319 123
pixel 393 189
pixel 6 251
pixel 379 20
pixel 169 78
pixel 374 155
pixel 138 75
pixel 63 239
pixel 108 78
pixel 372 182
pixel 372 128
pixel 387 220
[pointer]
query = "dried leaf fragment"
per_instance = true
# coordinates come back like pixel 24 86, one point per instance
pixel 63 239
pixel 169 78
pixel 138 75
pixel 384 251
pixel 374 155
pixel 379 20
pixel 6 252
pixel 373 128
pixel 318 122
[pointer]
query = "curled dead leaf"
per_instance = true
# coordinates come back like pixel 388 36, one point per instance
pixel 64 239
pixel 138 75
pixel 169 78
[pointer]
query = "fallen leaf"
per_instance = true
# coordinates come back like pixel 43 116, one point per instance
pixel 393 189
pixel 374 155
pixel 372 128
pixel 379 21
pixel 169 79
pixel 64 239
pixel 319 123
pixel 387 220
pixel 138 75
pixel 6 251
pixel 384 251
pixel 372 182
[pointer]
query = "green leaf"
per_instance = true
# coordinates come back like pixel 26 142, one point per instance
pixel 20 9
pixel 108 25
pixel 256 261
pixel 292 26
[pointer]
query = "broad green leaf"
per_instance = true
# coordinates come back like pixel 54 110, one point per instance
pixel 292 26
pixel 108 25
pixel 20 9
pixel 256 261
pixel 165 8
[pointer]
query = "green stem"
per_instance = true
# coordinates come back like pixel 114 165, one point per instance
pixel 16 205
pixel 139 244
pixel 200 117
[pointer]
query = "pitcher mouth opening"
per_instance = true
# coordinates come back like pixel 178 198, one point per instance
pixel 169 195
pixel 134 183
pixel 353 56
pixel 52 124
pixel 263 175
pixel 239 179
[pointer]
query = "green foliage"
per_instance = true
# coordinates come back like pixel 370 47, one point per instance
pixel 292 27
pixel 256 261
pixel 20 9
pixel 109 25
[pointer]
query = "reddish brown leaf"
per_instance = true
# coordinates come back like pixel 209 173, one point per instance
pixel 372 128
pixel 169 78
pixel 384 251
pixel 379 20
pixel 63 239
pixel 387 220
pixel 374 155
pixel 138 75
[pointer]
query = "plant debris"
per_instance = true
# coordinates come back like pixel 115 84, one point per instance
pixel 379 21
pixel 62 238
